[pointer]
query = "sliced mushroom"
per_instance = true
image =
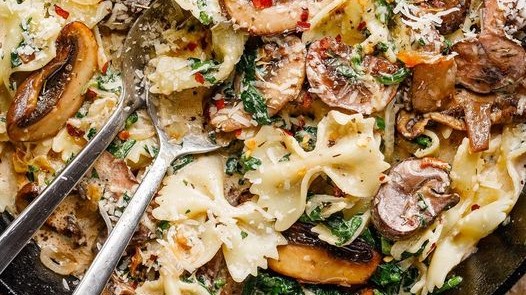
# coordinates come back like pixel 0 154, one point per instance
pixel 451 21
pixel 26 195
pixel 339 75
pixel 418 190
pixel 272 17
pixel 433 85
pixel 108 174
pixel 489 63
pixel 280 73
pixel 51 95
pixel 310 260
pixel 477 110
pixel 492 61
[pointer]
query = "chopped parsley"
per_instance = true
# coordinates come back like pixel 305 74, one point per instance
pixel 307 137
pixel 109 81
pixel 180 162
pixel 15 60
pixel 379 123
pixel 30 174
pixel 249 163
pixel 423 141
pixel 244 234
pixel 285 158
pixel 204 18
pixel 91 133
pixel 384 11
pixel 231 165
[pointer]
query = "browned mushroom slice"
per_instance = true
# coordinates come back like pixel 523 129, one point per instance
pixel 418 190
pixel 477 110
pixel 310 260
pixel 26 195
pixel 108 174
pixel 280 73
pixel 339 75
pixel 451 21
pixel 410 125
pixel 433 85
pixel 269 17
pixel 49 96
pixel 490 63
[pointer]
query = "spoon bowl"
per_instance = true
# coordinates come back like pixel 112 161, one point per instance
pixel 137 51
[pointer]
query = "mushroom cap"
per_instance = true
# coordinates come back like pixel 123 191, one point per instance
pixel 50 96
pixel 283 16
pixel 333 77
pixel 418 190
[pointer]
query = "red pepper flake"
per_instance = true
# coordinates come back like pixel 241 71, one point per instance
pixel 191 46
pixel 105 67
pixel 304 15
pixel 339 38
pixel 382 177
pixel 90 94
pixel 220 104
pixel 124 135
pixel 238 132
pixel 325 43
pixel 307 101
pixel 262 4
pixel 199 78
pixel 475 207
pixel 303 26
pixel 74 131
pixel 61 12
pixel 361 26
pixel 288 132
pixel 337 192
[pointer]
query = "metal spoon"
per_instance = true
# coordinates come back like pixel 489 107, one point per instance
pixel 102 267
pixel 21 230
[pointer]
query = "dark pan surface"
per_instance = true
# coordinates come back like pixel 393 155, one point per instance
pixel 499 262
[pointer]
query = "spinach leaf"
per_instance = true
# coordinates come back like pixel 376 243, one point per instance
pixel 121 149
pixel 395 78
pixel 132 119
pixel 343 229
pixel 379 123
pixel 269 284
pixel 15 60
pixel 307 137
pixel 231 165
pixel 253 101
pixel 449 284
pixel 384 11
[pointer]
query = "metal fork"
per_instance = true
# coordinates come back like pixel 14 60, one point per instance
pixel 102 267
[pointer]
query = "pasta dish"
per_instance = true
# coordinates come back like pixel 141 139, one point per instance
pixel 367 145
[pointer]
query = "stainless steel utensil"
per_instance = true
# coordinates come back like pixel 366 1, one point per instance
pixel 20 231
pixel 102 267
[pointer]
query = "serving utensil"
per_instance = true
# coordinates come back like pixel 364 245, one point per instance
pixel 102 267
pixel 20 231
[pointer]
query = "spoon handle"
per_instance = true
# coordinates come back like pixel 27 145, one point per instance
pixel 102 267
pixel 20 231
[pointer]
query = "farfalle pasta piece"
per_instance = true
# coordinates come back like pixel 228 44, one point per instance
pixel 347 151
pixel 195 205
pixel 176 72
